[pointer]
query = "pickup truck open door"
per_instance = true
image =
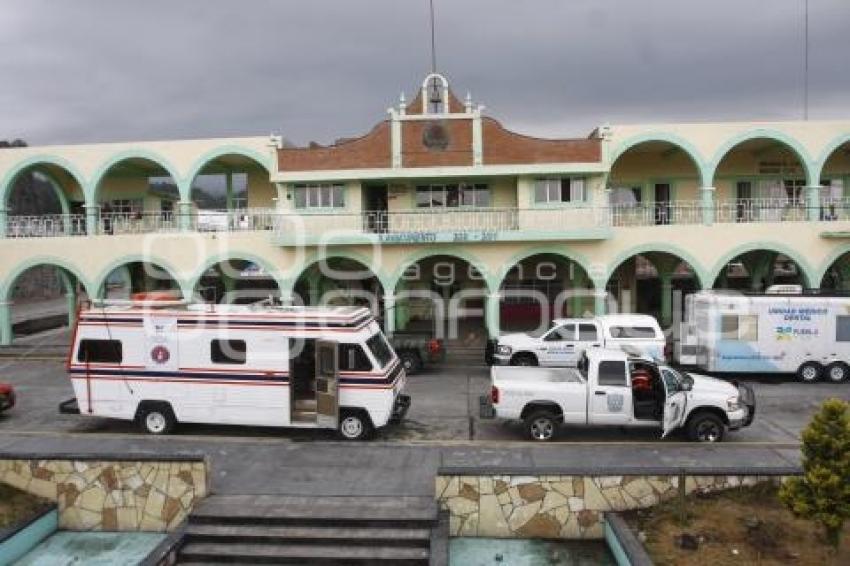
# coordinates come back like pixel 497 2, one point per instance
pixel 674 403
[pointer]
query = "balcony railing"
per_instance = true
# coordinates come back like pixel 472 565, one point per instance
pixel 533 222
pixel 45 226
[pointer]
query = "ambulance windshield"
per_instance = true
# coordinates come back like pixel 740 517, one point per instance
pixel 380 349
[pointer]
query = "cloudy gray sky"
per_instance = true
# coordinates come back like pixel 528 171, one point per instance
pixel 112 70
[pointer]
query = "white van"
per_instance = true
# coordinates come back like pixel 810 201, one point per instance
pixel 784 331
pixel 162 364
pixel 567 338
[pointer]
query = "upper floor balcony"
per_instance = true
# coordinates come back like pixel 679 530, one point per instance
pixel 580 222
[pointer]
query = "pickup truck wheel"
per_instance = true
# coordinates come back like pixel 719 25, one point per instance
pixel 837 372
pixel 354 425
pixel 809 372
pixel 410 361
pixel 541 426
pixel 157 419
pixel 526 360
pixel 706 427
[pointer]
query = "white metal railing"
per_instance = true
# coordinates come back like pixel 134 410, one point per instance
pixel 45 226
pixel 656 213
pixel 561 219
pixel 136 222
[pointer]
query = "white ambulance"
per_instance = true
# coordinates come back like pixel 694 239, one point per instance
pixel 786 330
pixel 161 363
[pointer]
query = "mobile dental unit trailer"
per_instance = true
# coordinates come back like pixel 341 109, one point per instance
pixel 797 332
pixel 162 364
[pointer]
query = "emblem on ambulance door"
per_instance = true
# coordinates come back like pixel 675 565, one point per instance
pixel 160 354
pixel 615 402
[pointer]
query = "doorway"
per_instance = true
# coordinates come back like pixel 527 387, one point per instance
pixel 662 203
pixel 375 204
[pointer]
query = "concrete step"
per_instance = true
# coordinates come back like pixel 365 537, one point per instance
pixel 231 552
pixel 385 536
pixel 302 510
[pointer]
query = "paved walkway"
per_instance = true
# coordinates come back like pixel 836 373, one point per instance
pixel 336 468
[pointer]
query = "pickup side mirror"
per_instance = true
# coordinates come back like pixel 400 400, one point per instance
pixel 687 383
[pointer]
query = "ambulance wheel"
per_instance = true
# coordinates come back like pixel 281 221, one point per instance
pixel 355 425
pixel 541 426
pixel 837 372
pixel 706 427
pixel 156 418
pixel 809 372
pixel 410 361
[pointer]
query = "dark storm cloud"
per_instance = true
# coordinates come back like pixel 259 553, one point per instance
pixel 120 70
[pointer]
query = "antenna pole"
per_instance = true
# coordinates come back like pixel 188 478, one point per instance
pixel 806 62
pixel 434 40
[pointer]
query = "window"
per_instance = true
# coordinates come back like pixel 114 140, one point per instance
pixel 842 328
pixel 100 351
pixel 123 206
pixel 626 196
pixel 322 195
pixel 380 349
pixel 453 195
pixel 739 327
pixel 566 332
pixel 587 333
pixel 671 381
pixel 566 189
pixel 228 351
pixel 612 373
pixel 632 332
pixel 353 358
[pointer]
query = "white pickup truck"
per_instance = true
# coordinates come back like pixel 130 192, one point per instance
pixel 562 344
pixel 609 388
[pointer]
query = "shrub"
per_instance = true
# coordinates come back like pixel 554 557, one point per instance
pixel 822 493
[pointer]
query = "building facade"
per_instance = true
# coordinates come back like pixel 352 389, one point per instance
pixel 440 212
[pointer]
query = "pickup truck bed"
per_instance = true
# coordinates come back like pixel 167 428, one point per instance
pixel 504 374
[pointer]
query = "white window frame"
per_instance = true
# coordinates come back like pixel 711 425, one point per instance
pixel 326 196
pixel 554 190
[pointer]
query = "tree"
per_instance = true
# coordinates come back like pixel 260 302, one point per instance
pixel 822 493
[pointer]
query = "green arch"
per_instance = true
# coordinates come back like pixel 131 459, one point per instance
pixel 136 153
pixel 100 281
pixel 364 260
pixel 34 161
pixel 830 260
pixel 763 133
pixel 806 269
pixel 52 261
pixel 577 258
pixel 221 151
pixel 271 270
pixel 827 151
pixel 473 260
pixel 660 136
pixel 659 247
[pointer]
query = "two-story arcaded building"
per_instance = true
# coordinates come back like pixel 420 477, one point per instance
pixel 440 212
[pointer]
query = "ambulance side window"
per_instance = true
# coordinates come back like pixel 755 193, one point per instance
pixel 228 352
pixel 100 351
pixel 353 358
pixel 842 328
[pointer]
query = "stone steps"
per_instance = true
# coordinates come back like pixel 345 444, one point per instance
pixel 267 529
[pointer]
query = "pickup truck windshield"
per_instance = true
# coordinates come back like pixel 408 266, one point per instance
pixel 380 349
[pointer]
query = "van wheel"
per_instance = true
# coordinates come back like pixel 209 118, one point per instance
pixel 809 372
pixel 156 418
pixel 836 372
pixel 526 360
pixel 355 425
pixel 541 426
pixel 706 427
pixel 410 361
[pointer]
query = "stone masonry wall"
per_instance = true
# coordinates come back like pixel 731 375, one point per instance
pixel 566 507
pixel 112 495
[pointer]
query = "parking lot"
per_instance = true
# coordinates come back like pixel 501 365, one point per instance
pixel 444 409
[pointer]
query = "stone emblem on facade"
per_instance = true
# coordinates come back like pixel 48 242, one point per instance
pixel 435 136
